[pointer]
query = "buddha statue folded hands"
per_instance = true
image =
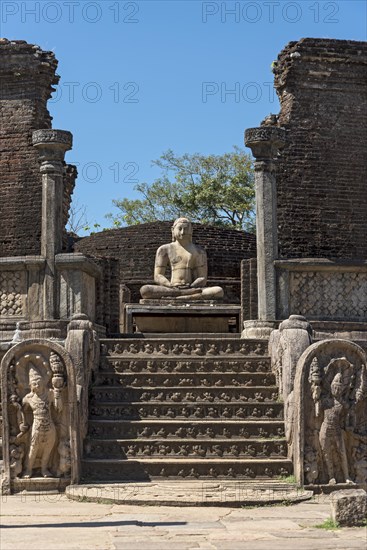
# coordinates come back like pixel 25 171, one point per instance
pixel 189 269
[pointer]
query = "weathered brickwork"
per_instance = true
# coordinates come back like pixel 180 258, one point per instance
pixel 249 300
pixel 136 246
pixel 321 181
pixel 27 74
pixel 107 295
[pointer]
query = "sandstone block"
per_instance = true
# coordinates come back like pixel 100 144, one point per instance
pixel 348 507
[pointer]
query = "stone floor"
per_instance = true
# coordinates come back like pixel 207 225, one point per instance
pixel 53 522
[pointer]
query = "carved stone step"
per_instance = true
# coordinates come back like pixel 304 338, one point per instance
pixel 182 347
pixel 167 429
pixel 211 379
pixel 192 492
pixel 144 469
pixel 185 365
pixel 183 394
pixel 197 410
pixel 185 408
pixel 180 449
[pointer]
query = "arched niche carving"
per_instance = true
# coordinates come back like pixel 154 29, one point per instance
pixel 40 417
pixel 330 414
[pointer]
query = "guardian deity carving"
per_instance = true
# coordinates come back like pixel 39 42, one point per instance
pixel 330 395
pixel 39 412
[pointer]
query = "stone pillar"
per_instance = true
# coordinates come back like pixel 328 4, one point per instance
pixel 265 143
pixel 52 145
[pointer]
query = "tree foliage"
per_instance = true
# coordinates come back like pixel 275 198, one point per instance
pixel 212 189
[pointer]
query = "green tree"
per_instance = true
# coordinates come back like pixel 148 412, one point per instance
pixel 212 189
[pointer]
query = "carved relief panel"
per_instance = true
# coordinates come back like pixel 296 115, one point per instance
pixel 12 293
pixel 39 409
pixel 330 424
pixel 325 295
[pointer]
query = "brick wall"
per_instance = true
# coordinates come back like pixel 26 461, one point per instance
pixel 249 301
pixel 321 181
pixel 107 295
pixel 27 74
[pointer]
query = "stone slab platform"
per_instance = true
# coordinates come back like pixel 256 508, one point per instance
pixel 39 484
pixel 183 318
pixel 190 493
pixel 327 489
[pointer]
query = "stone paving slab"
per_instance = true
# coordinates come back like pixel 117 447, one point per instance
pixel 190 493
pixel 52 522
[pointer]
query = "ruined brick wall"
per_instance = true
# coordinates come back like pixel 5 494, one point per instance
pixel 321 180
pixel 107 295
pixel 135 247
pixel 249 301
pixel 27 74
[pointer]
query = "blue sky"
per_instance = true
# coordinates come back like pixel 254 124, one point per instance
pixel 140 77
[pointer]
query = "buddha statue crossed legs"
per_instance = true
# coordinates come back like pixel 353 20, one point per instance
pixel 189 269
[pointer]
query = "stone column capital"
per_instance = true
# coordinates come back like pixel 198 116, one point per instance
pixel 265 142
pixel 52 146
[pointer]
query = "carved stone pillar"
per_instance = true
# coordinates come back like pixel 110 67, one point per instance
pixel 265 143
pixel 52 145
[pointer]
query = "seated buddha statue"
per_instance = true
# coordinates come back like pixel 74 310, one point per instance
pixel 189 269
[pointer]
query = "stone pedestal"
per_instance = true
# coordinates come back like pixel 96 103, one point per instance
pixel 260 330
pixel 76 285
pixel 183 318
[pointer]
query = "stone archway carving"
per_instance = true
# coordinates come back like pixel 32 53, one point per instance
pixel 39 415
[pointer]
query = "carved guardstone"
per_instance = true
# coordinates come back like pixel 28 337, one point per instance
pixel 40 444
pixel 330 416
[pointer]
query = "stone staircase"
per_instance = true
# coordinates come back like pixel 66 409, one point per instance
pixel 175 408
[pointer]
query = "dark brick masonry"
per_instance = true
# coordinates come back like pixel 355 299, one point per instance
pixel 321 180
pixel 27 75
